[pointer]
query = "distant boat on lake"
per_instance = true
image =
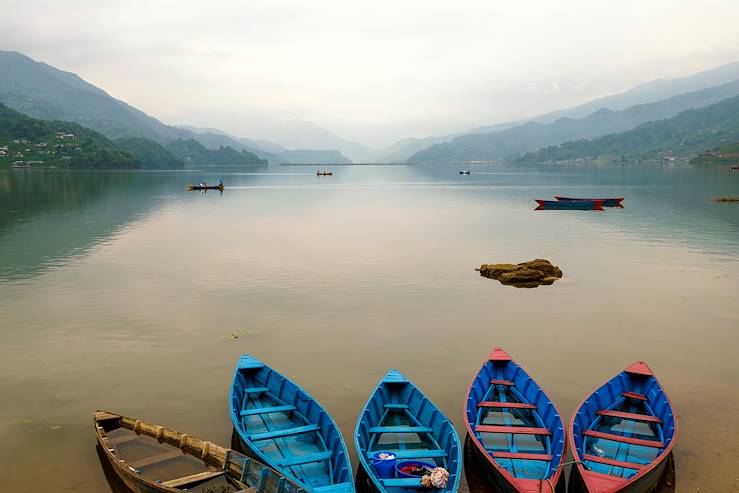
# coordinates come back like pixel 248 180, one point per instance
pixel 150 458
pixel 282 425
pixel 206 187
pixel 324 173
pixel 464 172
pixel 580 205
pixel 622 434
pixel 606 202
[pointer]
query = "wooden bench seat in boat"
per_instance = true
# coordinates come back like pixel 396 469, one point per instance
pixel 613 462
pixel 193 478
pixel 495 381
pixel 402 483
pixel 267 410
pixel 255 390
pixel 156 459
pixel 623 439
pixel 284 432
pixel 412 453
pixel 634 395
pixel 632 416
pixel 401 429
pixel 511 405
pixel 337 487
pixel 516 430
pixel 522 456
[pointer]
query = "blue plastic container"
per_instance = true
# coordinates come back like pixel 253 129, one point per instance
pixel 405 463
pixel 385 467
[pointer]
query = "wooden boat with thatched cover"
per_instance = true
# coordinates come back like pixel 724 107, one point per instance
pixel 153 459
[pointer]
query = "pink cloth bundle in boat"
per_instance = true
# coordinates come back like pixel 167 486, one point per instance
pixel 438 478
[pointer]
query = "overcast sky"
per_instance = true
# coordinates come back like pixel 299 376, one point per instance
pixel 371 71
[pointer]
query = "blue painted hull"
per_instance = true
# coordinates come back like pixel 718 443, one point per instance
pixel 576 205
pixel 514 427
pixel 280 424
pixel 399 419
pixel 606 202
pixel 623 433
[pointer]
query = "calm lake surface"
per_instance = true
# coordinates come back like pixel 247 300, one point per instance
pixel 122 291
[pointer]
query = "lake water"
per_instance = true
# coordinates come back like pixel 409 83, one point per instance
pixel 122 291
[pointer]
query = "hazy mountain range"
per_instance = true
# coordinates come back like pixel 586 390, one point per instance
pixel 42 91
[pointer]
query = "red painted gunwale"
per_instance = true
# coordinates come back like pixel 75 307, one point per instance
pixel 602 483
pixel 522 485
pixel 618 200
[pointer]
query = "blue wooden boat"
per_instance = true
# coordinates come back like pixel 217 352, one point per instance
pixel 606 202
pixel 622 434
pixel 149 458
pixel 280 424
pixel 578 205
pixel 515 428
pixel 400 420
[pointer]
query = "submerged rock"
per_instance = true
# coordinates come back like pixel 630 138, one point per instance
pixel 524 275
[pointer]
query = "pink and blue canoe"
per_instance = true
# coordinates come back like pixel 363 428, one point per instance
pixel 515 428
pixel 622 434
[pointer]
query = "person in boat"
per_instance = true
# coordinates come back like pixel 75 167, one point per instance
pixel 220 183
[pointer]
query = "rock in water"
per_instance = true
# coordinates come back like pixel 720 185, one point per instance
pixel 524 275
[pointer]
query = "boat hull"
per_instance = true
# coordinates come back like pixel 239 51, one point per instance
pixel 573 205
pixel 502 384
pixel 619 428
pixel 281 425
pixel 648 484
pixel 198 187
pixel 606 202
pixel 398 408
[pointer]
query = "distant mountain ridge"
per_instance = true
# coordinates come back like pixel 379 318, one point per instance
pixel 532 136
pixel 42 91
pixel 685 134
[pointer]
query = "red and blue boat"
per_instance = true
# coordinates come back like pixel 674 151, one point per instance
pixel 515 428
pixel 605 202
pixel 622 434
pixel 577 205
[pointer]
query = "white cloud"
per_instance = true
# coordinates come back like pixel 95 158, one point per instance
pixel 371 71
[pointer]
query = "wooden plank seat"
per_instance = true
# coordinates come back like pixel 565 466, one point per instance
pixel 495 381
pixel 284 432
pixel 634 395
pixel 304 459
pixel 255 390
pixel 156 459
pixel 412 453
pixel 522 456
pixel 337 487
pixel 395 406
pixel 632 416
pixel 401 429
pixel 613 462
pixel 193 478
pixel 511 405
pixel 515 430
pixel 267 410
pixel 402 483
pixel 623 439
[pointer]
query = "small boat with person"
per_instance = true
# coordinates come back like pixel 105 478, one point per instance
pixel 283 426
pixel 578 205
pixel 622 434
pixel 149 458
pixel 464 172
pixel 204 186
pixel 324 173
pixel 515 428
pixel 404 442
pixel 606 202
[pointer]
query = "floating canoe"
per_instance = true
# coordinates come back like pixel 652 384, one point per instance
pixel 606 202
pixel 400 420
pixel 580 205
pixel 516 430
pixel 464 172
pixel 150 458
pixel 324 173
pixel 209 187
pixel 622 434
pixel 280 424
